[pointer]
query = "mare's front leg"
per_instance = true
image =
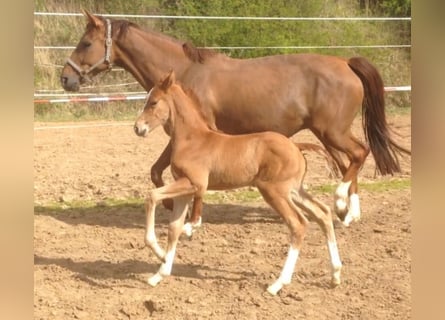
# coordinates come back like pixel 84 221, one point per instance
pixel 158 168
pixel 156 177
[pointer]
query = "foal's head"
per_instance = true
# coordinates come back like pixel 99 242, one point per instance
pixel 157 107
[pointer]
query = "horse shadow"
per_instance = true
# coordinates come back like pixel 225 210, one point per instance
pixel 95 273
pixel 133 215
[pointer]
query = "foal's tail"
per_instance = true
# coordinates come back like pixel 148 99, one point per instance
pixel 383 147
pixel 332 165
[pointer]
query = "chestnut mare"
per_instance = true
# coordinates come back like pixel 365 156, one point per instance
pixel 281 93
pixel 202 159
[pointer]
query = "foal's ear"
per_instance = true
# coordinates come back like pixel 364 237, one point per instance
pixel 95 21
pixel 168 81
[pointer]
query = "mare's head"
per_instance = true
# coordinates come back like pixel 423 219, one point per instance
pixel 93 54
pixel 157 107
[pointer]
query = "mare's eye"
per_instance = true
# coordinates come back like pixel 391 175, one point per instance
pixel 85 44
pixel 152 103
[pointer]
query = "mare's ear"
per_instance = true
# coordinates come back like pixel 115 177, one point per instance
pixel 168 81
pixel 95 21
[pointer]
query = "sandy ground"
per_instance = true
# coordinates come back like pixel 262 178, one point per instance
pixel 91 263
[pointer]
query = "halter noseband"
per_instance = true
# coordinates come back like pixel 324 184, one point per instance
pixel 105 59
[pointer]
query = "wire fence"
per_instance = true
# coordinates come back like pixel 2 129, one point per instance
pixel 126 16
pixel 57 96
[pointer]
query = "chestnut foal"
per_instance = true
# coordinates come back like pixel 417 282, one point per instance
pixel 205 159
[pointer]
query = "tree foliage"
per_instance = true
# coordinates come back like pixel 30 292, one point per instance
pixel 394 64
pixel 390 8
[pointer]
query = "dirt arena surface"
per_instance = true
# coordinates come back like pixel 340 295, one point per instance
pixel 91 263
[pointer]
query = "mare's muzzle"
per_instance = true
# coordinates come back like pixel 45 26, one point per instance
pixel 71 82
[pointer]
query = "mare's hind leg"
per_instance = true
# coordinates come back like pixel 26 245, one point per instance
pixel 340 196
pixel 321 213
pixel 297 225
pixel 195 218
pixel 347 205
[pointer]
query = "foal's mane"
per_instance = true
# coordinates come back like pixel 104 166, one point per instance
pixel 203 111
pixel 198 54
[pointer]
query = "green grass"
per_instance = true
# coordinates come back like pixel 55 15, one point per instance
pixel 94 111
pixel 378 186
pixel 244 195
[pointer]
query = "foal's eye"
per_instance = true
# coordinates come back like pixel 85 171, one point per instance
pixel 152 103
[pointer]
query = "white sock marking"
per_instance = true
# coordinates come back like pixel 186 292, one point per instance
pixel 354 206
pixel 342 189
pixel 286 273
pixel 354 210
pixel 341 195
pixel 335 262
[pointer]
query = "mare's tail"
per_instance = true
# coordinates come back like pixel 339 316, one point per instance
pixel 383 147
pixel 332 165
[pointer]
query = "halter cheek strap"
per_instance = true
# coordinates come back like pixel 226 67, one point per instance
pixel 105 59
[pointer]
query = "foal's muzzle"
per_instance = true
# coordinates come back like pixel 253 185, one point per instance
pixel 141 132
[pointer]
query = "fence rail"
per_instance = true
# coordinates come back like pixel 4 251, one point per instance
pixel 95 97
pixel 230 17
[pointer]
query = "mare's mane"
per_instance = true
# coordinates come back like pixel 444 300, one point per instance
pixel 193 53
pixel 198 54
pixel 123 26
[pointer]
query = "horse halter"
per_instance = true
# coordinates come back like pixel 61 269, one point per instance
pixel 106 59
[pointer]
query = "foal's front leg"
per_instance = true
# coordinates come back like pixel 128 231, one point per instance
pixel 180 188
pixel 180 206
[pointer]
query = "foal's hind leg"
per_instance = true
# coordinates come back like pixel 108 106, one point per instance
pixel 297 225
pixel 321 213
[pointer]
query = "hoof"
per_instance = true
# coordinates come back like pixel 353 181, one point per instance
pixel 338 224
pixel 274 288
pixel 154 280
pixel 188 229
pixel 335 282
pixel 350 218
